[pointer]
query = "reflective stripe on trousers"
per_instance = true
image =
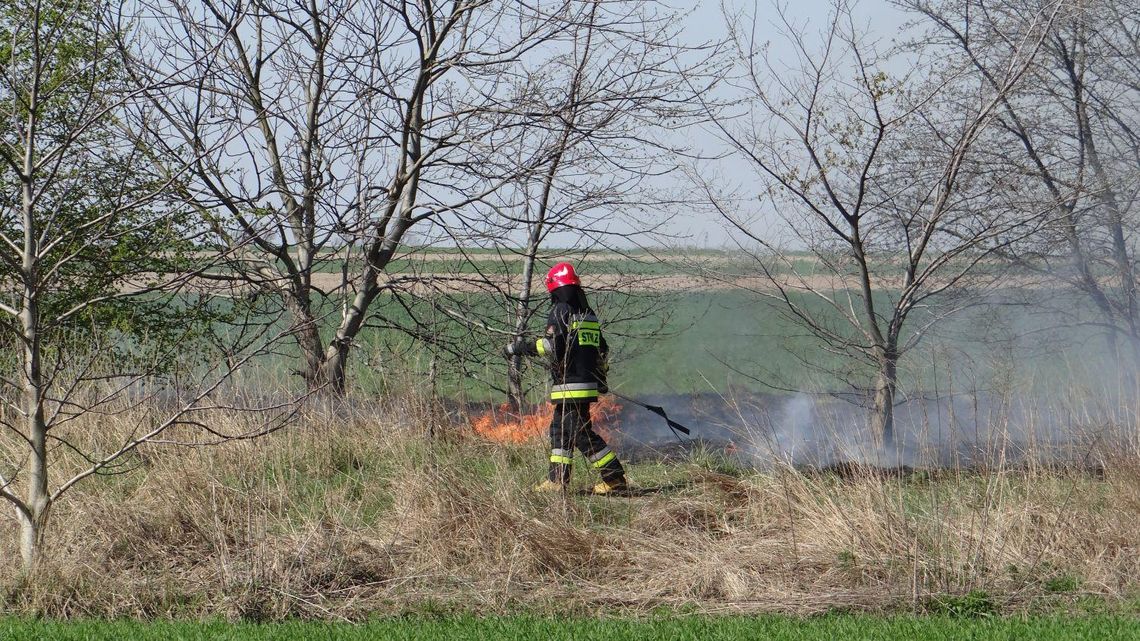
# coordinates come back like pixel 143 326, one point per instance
pixel 562 457
pixel 599 459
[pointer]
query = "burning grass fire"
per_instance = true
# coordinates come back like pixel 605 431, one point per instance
pixel 504 426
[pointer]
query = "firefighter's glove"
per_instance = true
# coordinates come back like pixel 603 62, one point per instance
pixel 603 376
pixel 514 348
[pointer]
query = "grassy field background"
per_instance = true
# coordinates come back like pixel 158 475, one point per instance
pixel 709 340
pixel 850 628
pixel 725 341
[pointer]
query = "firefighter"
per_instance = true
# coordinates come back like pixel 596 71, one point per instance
pixel 577 351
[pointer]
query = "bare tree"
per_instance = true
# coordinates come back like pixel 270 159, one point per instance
pixel 1072 132
pixel 93 258
pixel 323 133
pixel 593 168
pixel 868 170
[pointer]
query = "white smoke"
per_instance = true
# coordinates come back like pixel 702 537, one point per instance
pixel 967 430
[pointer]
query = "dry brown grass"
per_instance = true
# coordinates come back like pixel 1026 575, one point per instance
pixel 345 516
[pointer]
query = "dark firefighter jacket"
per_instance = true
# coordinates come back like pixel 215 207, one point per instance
pixel 577 351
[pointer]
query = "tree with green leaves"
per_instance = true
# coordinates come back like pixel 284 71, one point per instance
pixel 92 257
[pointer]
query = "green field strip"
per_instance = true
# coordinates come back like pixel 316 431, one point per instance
pixel 771 628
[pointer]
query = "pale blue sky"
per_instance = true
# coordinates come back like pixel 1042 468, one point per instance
pixel 707 22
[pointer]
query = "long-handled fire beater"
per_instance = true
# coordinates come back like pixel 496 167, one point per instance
pixel 677 428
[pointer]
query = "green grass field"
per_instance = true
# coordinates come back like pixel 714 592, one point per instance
pixel 721 341
pixel 848 628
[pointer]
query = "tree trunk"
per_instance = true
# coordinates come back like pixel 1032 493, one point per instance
pixel 307 333
pixel 324 365
pixel 37 498
pixel 331 372
pixel 522 307
pixel 883 418
pixel 328 371
pixel 31 536
pixel 313 353
pixel 522 317
pixel 514 383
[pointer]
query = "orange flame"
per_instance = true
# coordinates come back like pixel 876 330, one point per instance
pixel 504 426
pixel 606 417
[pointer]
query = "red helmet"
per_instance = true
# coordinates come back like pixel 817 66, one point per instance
pixel 559 275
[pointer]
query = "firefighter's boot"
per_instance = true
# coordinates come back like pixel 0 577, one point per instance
pixel 547 487
pixel 612 486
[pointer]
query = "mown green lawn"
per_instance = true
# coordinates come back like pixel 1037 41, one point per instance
pixel 847 628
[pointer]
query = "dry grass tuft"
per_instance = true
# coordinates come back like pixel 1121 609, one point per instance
pixel 355 512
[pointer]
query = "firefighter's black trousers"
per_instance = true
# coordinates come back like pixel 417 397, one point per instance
pixel 570 428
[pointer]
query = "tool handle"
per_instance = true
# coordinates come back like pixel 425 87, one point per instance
pixel 658 410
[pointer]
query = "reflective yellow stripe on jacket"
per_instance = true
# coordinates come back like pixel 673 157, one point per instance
pixel 573 391
pixel 573 394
